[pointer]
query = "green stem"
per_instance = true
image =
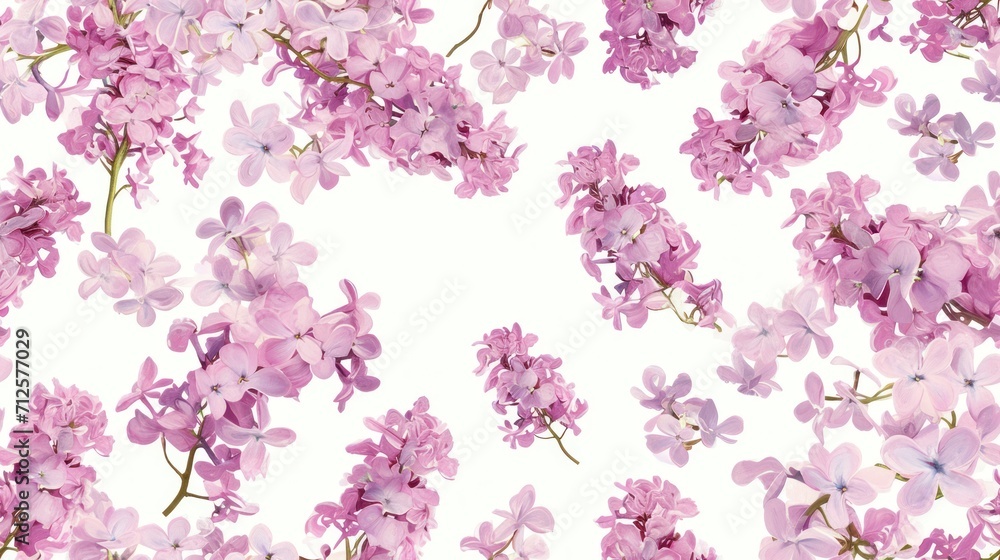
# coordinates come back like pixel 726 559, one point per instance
pixel 185 476
pixel 840 47
pixel 46 54
pixel 116 167
pixel 10 537
pixel 479 21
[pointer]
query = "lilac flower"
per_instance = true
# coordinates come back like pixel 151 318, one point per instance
pixel 262 139
pixel 915 120
pixel 929 470
pixel 838 473
pixel 804 325
pixel 331 28
pixel 711 428
pixel 756 380
pixel 940 158
pixel 789 540
pixel 985 82
pixel 922 376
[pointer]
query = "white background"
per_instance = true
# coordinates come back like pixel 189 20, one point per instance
pixel 506 259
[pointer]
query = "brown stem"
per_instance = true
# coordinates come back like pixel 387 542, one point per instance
pixel 548 424
pixel 479 21
pixel 185 476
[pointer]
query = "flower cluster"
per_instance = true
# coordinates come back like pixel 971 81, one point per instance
pixel 366 85
pixel 523 516
pixel 363 84
pixel 934 457
pixel 643 524
pixel 789 332
pixel 787 100
pixel 625 227
pixel 531 385
pixel 679 420
pixel 131 264
pixel 388 509
pixel 62 426
pixel 947 26
pixel 38 207
pixel 986 81
pixel 906 269
pixel 264 340
pixel 530 44
pixel 938 139
pixel 145 90
pixel 642 41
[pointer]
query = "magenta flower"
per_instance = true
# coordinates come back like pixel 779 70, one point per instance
pixel 929 470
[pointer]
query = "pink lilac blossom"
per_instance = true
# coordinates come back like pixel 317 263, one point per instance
pixel 263 340
pixel 63 425
pixel 909 273
pixel 133 71
pixel 950 26
pixel 939 138
pixel 540 396
pixel 681 424
pixel 786 100
pixel 130 263
pixel 626 228
pixel 531 44
pixel 38 207
pixel 389 508
pixel 522 517
pixel 643 524
pixel 642 39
